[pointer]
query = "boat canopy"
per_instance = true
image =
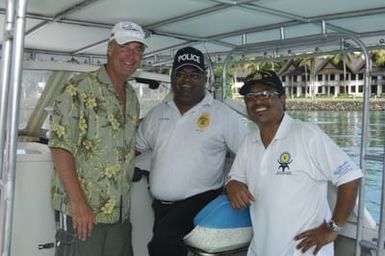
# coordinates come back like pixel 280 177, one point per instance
pixel 78 30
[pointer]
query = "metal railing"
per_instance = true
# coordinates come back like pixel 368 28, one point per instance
pixel 9 112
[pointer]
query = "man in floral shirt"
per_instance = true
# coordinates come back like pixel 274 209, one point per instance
pixel 93 148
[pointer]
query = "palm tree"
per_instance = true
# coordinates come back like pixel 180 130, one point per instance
pixel 309 63
pixel 242 66
pixel 345 57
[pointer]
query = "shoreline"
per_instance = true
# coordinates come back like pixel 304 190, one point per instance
pixel 329 104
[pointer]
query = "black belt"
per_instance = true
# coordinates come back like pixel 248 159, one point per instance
pixel 165 202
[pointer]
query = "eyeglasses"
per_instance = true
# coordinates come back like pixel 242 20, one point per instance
pixel 184 75
pixel 264 95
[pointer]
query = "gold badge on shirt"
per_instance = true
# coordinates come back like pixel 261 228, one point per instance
pixel 203 121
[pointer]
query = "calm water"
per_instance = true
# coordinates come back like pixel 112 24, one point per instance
pixel 345 129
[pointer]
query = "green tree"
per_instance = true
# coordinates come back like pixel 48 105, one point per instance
pixel 345 57
pixel 218 81
pixel 240 66
pixel 379 57
pixel 309 65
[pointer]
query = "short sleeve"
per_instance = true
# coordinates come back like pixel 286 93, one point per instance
pixel 238 170
pixel 332 162
pixel 65 123
pixel 235 129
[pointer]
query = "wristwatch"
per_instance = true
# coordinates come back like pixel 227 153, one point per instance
pixel 333 226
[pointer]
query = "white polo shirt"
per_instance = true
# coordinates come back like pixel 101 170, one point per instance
pixel 189 150
pixel 289 181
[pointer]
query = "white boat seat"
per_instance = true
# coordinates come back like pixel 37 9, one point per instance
pixel 220 229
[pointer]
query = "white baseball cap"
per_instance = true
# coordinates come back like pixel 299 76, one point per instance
pixel 126 31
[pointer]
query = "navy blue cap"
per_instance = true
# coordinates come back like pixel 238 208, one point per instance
pixel 189 56
pixel 267 77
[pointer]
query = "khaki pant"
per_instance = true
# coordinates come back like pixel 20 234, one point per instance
pixel 105 240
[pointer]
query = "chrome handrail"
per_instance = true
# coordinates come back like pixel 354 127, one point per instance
pixel 11 124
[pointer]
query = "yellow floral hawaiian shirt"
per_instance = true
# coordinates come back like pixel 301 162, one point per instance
pixel 89 123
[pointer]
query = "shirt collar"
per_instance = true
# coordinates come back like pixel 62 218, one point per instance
pixel 206 101
pixel 102 75
pixel 283 129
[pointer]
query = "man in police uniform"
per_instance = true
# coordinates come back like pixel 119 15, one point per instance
pixel 188 135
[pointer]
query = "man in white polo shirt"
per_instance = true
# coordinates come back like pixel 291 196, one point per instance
pixel 282 172
pixel 189 136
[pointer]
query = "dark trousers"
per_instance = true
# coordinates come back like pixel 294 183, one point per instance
pixel 173 220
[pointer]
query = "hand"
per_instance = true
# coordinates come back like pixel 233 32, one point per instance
pixel 238 194
pixel 317 237
pixel 83 219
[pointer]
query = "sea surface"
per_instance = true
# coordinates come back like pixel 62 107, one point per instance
pixel 345 129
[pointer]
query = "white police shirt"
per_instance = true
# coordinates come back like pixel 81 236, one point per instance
pixel 189 150
pixel 289 181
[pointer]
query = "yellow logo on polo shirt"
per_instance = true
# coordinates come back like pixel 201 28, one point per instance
pixel 284 158
pixel 203 121
pixel 284 161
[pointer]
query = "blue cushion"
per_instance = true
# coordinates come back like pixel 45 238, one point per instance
pixel 220 214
